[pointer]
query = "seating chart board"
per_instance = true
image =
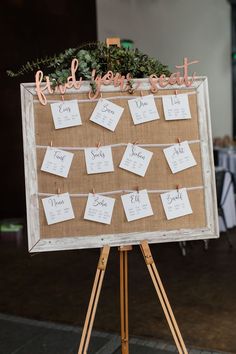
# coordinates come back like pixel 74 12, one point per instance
pixel 118 169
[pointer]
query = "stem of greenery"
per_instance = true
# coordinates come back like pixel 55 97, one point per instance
pixel 94 56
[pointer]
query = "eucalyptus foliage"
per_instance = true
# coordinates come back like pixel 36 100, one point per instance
pixel 95 56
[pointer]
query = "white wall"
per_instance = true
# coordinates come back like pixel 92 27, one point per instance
pixel 172 29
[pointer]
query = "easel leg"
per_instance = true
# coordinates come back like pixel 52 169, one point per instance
pixel 88 325
pixel 124 298
pixel 163 298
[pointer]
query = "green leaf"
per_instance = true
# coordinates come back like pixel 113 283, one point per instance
pixel 95 56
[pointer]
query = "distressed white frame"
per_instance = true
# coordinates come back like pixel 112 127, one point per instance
pixel 36 244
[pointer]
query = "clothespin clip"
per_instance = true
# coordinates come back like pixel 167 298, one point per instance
pixel 137 189
pixel 63 98
pixel 179 141
pixel 51 143
pixel 178 187
pixel 176 98
pixel 141 93
pixel 93 191
pixel 58 190
pixel 135 142
pixel 99 144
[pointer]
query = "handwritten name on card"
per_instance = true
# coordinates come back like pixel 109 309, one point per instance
pixel 57 162
pixel 143 109
pixel 58 208
pixel 107 114
pixel 99 160
pixel 136 159
pixel 137 205
pixel 99 208
pixel 176 107
pixel 176 203
pixel 179 157
pixel 66 114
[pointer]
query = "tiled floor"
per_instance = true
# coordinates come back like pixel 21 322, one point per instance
pixel 24 336
pixel 56 286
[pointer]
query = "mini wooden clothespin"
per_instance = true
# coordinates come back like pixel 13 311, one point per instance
pixel 51 143
pixel 93 191
pixel 175 98
pixel 135 142
pixel 99 144
pixel 58 190
pixel 141 93
pixel 177 187
pixel 179 141
pixel 63 98
pixel 137 189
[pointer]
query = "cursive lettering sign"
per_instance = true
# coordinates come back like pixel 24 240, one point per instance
pixel 63 108
pixel 99 202
pixel 54 202
pixel 137 205
pixel 134 198
pixel 58 155
pixel 171 199
pixel 71 82
pixel 175 100
pixel 117 80
pixel 175 78
pixel 141 103
pixel 97 153
pixel 177 151
pixel 137 154
pixel 105 109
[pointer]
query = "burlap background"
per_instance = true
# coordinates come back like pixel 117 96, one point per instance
pixel 158 175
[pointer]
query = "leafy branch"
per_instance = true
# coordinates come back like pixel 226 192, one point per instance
pixel 94 56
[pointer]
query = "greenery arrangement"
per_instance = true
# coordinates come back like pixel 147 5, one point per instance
pixel 95 56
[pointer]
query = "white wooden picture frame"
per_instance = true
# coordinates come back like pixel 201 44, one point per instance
pixel 37 243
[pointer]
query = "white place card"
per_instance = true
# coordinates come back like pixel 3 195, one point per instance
pixel 176 107
pixel 179 157
pixel 107 114
pixel 176 203
pixel 137 205
pixel 136 159
pixel 57 162
pixel 58 208
pixel 143 109
pixel 66 114
pixel 99 160
pixel 99 208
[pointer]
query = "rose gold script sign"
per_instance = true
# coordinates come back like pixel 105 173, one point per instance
pixel 117 80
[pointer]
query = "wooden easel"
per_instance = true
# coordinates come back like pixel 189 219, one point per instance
pixel 86 333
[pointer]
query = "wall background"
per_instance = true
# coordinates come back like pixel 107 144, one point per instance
pixel 172 29
pixel 29 30
pixel 166 29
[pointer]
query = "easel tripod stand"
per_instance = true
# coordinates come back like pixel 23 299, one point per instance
pixel 89 320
